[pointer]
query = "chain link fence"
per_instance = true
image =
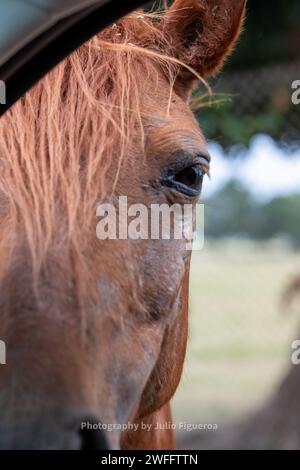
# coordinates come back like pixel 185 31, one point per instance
pixel 254 101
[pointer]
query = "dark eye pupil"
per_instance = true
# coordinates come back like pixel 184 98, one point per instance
pixel 191 177
pixel 187 181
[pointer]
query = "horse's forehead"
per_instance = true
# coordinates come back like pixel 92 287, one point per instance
pixel 163 108
pixel 175 128
pixel 171 139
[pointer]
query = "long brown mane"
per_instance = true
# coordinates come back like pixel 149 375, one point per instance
pixel 57 143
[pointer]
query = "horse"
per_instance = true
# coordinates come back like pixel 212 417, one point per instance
pixel 96 330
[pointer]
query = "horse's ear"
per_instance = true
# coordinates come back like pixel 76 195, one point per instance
pixel 202 33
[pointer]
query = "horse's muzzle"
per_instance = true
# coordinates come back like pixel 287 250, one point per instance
pixel 60 434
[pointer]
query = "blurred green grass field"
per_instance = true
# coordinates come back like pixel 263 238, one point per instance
pixel 240 339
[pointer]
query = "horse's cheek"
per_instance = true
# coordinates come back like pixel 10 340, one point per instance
pixel 129 366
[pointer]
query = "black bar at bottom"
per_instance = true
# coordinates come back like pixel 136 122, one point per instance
pixel 133 459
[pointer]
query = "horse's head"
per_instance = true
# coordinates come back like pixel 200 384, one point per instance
pixel 96 329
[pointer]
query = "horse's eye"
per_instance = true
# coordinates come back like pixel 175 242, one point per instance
pixel 191 177
pixel 187 181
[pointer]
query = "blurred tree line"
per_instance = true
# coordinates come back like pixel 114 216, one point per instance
pixel 233 212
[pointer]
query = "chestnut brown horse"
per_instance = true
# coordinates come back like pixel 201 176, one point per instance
pixel 96 330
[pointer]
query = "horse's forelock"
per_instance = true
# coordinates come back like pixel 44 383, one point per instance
pixel 58 141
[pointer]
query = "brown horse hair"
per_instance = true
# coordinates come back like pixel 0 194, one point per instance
pixel 59 140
